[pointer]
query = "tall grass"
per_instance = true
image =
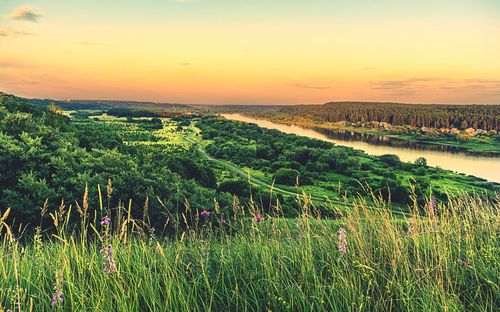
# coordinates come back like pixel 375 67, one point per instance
pixel 445 259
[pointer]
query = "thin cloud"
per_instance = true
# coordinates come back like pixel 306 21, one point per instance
pixel 485 81
pixel 13 64
pixel 26 13
pixel 413 86
pixel 9 32
pixel 411 83
pixel 309 86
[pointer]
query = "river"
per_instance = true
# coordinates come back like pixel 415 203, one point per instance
pixel 480 166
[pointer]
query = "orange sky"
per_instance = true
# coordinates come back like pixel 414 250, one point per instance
pixel 208 51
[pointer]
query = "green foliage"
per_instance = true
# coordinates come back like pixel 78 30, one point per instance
pixel 415 115
pixel 238 187
pixel 391 160
pixel 443 259
pixel 286 176
pixel 421 162
pixel 46 156
pixel 285 156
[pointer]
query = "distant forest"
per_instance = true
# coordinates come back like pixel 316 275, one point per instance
pixel 486 117
pixel 103 104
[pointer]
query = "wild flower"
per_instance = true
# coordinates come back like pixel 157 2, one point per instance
pixel 259 218
pixel 109 264
pixel 223 221
pixel 57 297
pixel 204 213
pixel 106 220
pixel 342 241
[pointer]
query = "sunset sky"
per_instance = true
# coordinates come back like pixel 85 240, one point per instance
pixel 252 51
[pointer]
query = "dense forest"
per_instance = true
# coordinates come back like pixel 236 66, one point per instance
pixel 486 117
pixel 47 156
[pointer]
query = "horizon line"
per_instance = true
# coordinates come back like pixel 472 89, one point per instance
pixel 241 104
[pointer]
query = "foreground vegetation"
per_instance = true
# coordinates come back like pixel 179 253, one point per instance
pixel 445 259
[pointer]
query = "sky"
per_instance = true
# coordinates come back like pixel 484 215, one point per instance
pixel 252 51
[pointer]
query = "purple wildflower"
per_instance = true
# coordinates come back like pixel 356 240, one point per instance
pixel 109 264
pixel 204 213
pixel 58 294
pixel 106 220
pixel 342 241
pixel 223 221
pixel 259 218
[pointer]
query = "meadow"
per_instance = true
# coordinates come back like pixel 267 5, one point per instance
pixel 445 258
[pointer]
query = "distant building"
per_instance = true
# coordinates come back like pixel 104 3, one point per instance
pixel 470 131
pixel 385 125
pixel 481 132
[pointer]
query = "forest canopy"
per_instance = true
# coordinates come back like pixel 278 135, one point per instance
pixel 486 117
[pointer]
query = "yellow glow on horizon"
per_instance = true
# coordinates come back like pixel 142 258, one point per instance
pixel 416 61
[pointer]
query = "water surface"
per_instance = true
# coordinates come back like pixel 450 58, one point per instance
pixel 480 166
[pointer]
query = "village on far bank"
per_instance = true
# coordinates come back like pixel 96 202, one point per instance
pixel 388 127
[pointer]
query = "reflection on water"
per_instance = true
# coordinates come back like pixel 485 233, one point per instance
pixel 480 166
pixel 385 140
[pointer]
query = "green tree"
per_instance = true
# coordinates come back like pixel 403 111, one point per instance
pixel 286 176
pixel 421 162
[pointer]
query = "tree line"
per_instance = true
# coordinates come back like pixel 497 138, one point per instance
pixel 486 117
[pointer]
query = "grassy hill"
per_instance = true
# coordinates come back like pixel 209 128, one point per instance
pixel 119 213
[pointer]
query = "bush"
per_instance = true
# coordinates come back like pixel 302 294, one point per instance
pixel 391 160
pixel 286 176
pixel 421 162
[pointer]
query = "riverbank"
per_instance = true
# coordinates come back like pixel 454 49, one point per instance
pixel 476 165
pixel 488 146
